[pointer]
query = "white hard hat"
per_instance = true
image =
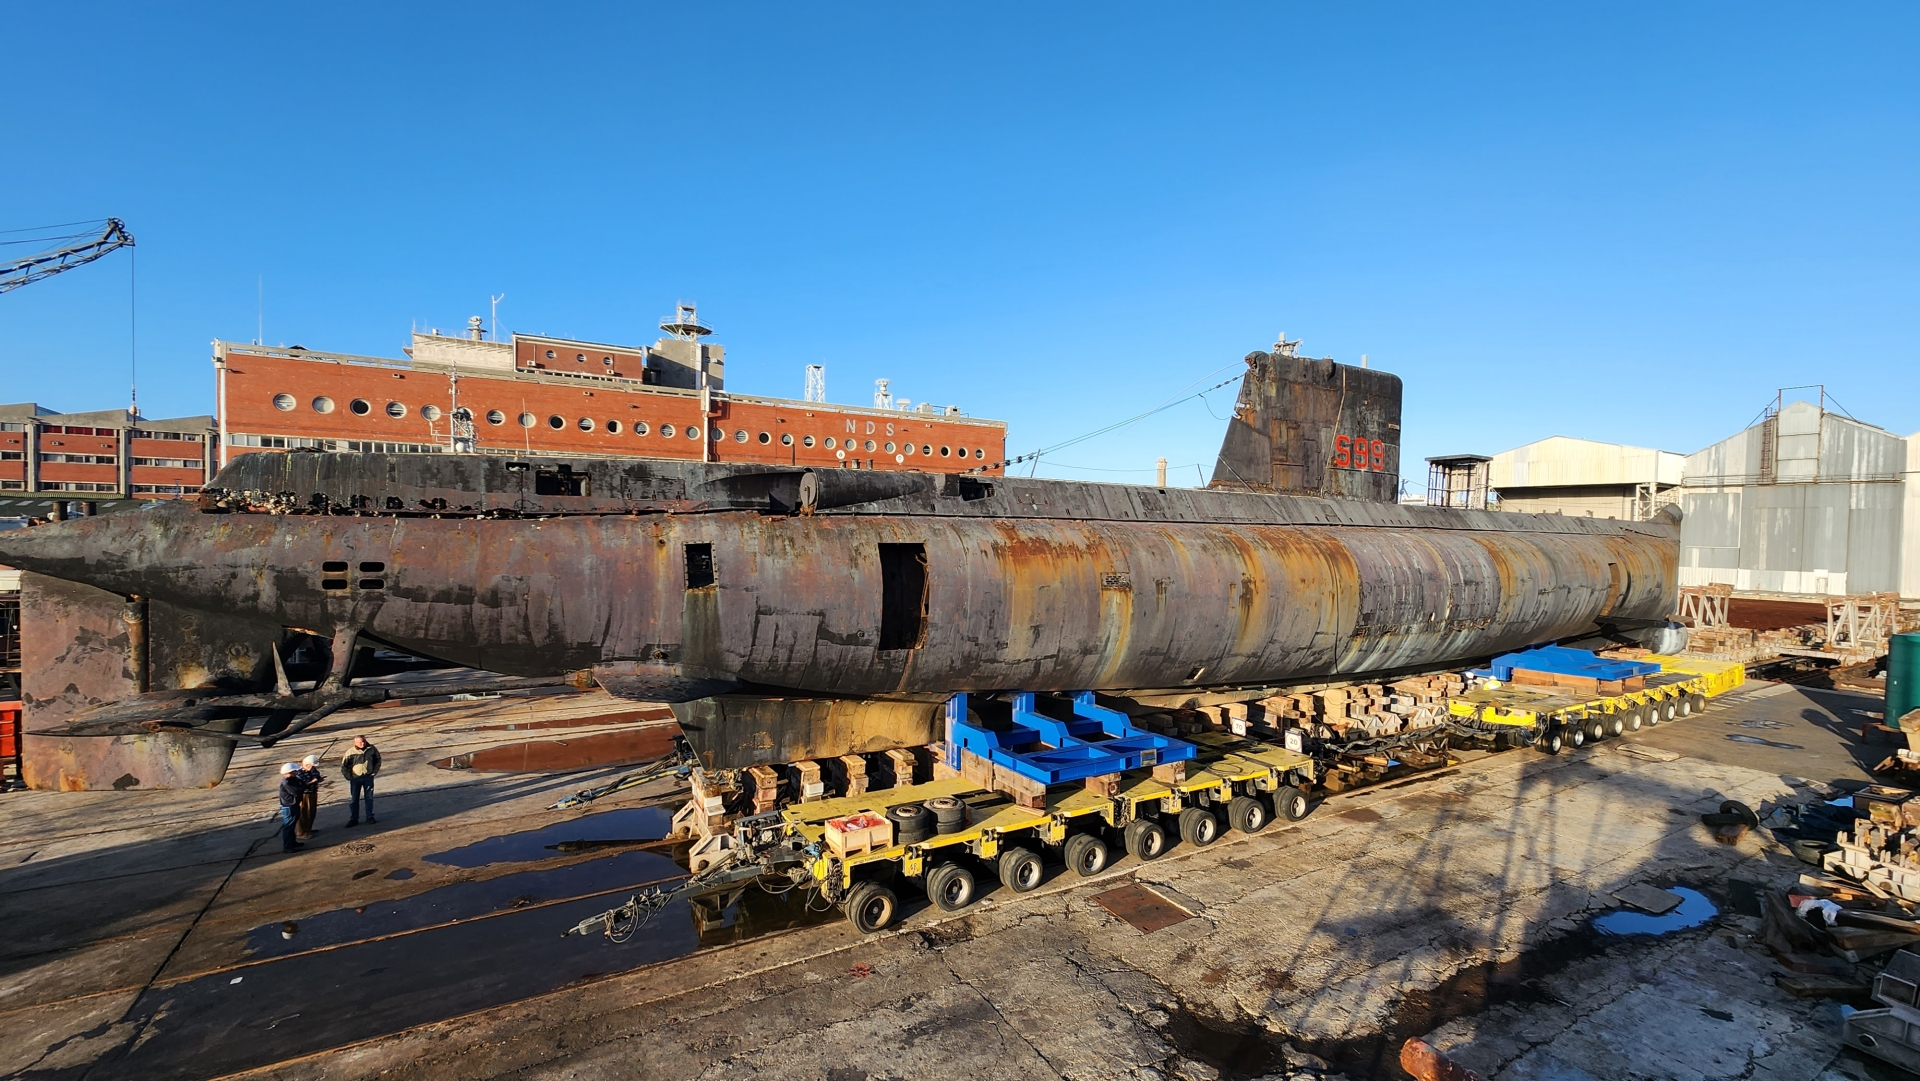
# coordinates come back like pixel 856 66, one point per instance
pixel 310 760
pixel 288 767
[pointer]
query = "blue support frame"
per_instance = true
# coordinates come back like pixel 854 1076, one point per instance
pixel 1095 742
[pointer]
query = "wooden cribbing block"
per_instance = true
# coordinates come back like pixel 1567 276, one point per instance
pixel 1171 773
pixel 856 771
pixel 1107 784
pixel 1024 791
pixel 812 786
pixel 902 762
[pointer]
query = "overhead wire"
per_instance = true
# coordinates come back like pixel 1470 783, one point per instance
pixel 1180 398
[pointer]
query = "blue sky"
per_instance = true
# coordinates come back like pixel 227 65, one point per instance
pixel 1621 222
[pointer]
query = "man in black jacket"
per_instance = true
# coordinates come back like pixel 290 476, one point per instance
pixel 360 766
pixel 292 788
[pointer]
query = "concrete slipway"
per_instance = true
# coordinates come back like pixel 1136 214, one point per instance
pixel 163 935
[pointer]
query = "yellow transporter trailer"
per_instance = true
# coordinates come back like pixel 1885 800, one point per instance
pixel 1249 781
pixel 1550 718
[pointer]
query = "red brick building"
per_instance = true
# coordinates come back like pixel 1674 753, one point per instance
pixel 560 396
pixel 103 455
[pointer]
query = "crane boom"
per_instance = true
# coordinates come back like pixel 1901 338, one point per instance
pixel 46 264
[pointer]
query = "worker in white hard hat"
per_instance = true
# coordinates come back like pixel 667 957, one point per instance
pixel 309 774
pixel 291 786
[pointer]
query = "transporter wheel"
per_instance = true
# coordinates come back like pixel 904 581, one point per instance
pixel 1292 804
pixel 1660 710
pixel 951 887
pixel 949 814
pixel 1597 727
pixel 1552 743
pixel 1198 827
pixel 911 823
pixel 1146 839
pixel 1631 720
pixel 1021 869
pixel 1087 854
pixel 1669 709
pixel 1577 735
pixel 1699 702
pixel 1248 815
pixel 871 907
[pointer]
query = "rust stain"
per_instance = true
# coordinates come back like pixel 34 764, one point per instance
pixel 1146 910
pixel 564 755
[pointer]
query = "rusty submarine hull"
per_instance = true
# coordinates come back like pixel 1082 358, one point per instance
pixel 795 613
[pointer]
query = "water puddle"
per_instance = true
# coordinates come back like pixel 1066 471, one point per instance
pixel 630 825
pixel 1758 742
pixel 566 755
pixel 1694 910
pixel 459 902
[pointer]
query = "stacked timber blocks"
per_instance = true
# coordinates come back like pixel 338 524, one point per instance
pixel 1366 709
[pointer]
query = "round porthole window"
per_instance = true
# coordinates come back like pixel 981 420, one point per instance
pixel 586 424
pixel 556 422
pixel 889 448
pixel 831 444
pixel 526 420
pixel 284 402
pixel 766 437
pixel 494 416
pixel 908 448
pixel 693 431
pixel 806 441
pixel 396 410
pixel 360 407
pixel 926 448
pixel 979 452
pixel 869 444
pixel 945 452
pixel 323 404
pixel 740 435
pixel 432 412
pixel 786 439
pixel 716 434
pixel 640 428
pixel 666 431
pixel 613 427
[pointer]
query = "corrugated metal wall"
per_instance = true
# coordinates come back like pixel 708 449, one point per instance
pixel 1825 512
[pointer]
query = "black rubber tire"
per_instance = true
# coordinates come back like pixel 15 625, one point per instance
pixel 1636 718
pixel 1577 735
pixel 1248 815
pixel 1735 807
pixel 1145 838
pixel 871 907
pixel 949 814
pixel 1087 854
pixel 1597 728
pixel 911 823
pixel 1657 712
pixel 1198 827
pixel 1616 723
pixel 1291 804
pixel 951 887
pixel 1699 702
pixel 1552 742
pixel 1021 870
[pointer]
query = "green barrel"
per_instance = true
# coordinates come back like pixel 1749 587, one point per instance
pixel 1903 677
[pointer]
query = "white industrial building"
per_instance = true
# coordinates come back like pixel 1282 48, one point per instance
pixel 1808 501
pixel 1582 477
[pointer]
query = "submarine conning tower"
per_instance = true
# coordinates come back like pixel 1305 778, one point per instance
pixel 1313 426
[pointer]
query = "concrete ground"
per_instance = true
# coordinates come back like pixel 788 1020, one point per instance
pixel 163 935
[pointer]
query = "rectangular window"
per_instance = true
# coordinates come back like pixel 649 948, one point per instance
pixel 903 596
pixel 699 566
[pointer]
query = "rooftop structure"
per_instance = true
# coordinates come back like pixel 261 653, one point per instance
pixel 1458 480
